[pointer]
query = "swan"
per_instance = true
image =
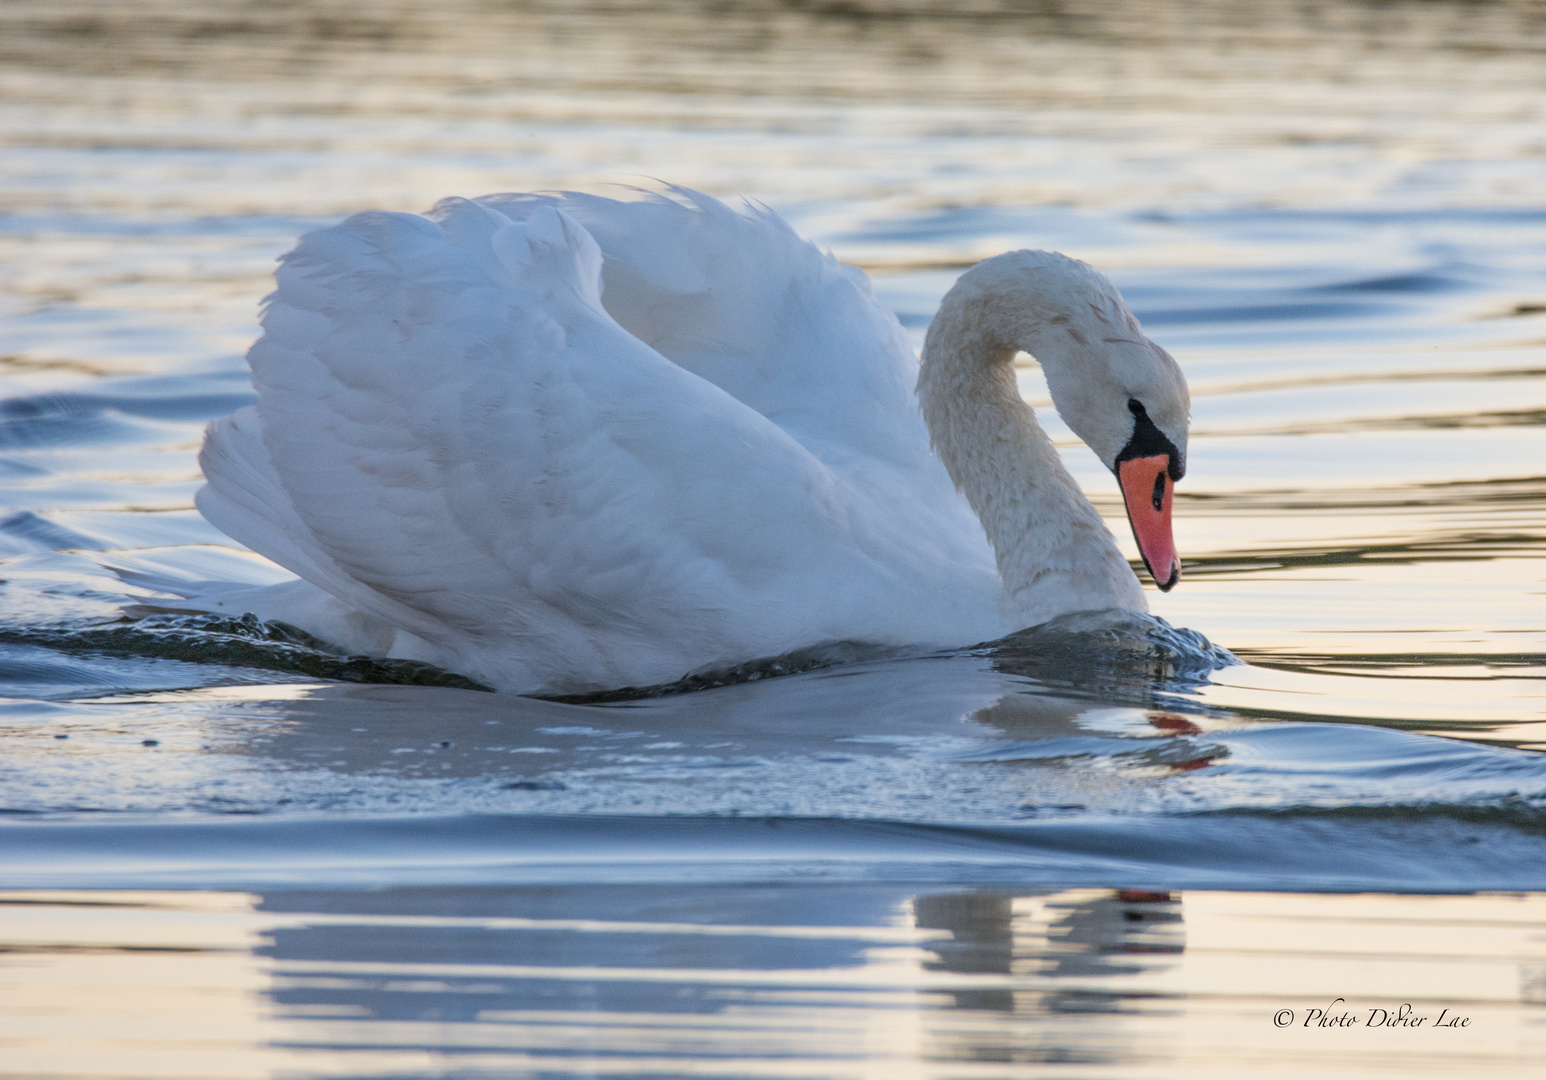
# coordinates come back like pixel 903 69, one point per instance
pixel 561 443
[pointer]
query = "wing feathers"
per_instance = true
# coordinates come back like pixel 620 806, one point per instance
pixel 452 434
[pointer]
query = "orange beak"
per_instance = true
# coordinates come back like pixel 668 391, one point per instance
pixel 1146 488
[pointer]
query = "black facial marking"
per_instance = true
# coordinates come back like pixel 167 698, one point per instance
pixel 1159 492
pixel 1150 441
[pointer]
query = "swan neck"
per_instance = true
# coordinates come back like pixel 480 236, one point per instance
pixel 1054 552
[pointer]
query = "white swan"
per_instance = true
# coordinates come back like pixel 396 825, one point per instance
pixel 565 443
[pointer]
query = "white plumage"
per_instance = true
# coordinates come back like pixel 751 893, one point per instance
pixel 561 443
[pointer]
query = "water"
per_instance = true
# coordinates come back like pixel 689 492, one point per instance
pixel 1088 850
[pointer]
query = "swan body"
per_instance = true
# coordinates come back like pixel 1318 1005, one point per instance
pixel 566 443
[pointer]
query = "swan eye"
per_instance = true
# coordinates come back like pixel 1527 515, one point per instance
pixel 1135 407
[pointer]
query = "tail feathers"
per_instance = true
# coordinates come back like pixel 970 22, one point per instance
pixel 541 250
pixel 245 499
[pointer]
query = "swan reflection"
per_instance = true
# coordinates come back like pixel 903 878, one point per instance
pixel 926 739
pixel 663 972
pixel 1074 933
pixel 772 979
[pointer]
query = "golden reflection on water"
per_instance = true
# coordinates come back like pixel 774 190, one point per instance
pixel 995 49
pixel 1088 103
pixel 966 984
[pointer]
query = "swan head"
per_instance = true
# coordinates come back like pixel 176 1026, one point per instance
pixel 1119 392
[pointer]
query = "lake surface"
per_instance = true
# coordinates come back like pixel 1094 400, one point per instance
pixel 1084 851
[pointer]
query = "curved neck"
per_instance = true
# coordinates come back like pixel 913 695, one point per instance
pixel 1055 554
